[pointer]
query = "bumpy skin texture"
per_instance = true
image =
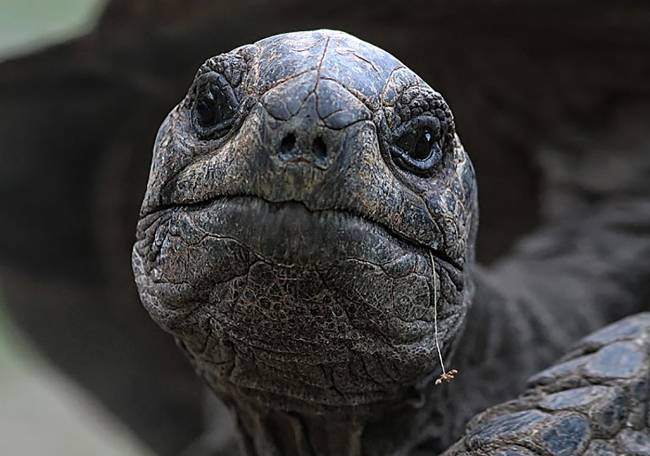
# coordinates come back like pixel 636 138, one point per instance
pixel 300 257
pixel 593 402
pixel 292 253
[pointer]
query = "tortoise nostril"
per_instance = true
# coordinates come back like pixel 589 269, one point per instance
pixel 319 148
pixel 290 150
pixel 287 144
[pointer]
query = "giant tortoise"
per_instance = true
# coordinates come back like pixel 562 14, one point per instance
pixel 307 235
pixel 550 99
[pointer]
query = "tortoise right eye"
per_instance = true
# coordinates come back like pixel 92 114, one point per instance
pixel 418 145
pixel 214 107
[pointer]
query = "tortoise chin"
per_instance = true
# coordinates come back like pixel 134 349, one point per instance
pixel 292 307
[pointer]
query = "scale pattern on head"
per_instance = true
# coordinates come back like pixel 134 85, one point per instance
pixel 309 209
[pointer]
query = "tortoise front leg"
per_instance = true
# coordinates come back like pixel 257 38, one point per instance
pixel 594 401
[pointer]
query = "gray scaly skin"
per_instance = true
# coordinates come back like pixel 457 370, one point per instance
pixel 308 230
pixel 593 403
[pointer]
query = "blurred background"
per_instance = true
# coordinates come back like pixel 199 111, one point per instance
pixel 41 411
pixel 551 100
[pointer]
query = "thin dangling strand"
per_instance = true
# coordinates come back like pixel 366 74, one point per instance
pixel 446 377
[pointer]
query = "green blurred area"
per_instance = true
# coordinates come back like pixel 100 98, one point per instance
pixel 9 348
pixel 4 333
pixel 28 23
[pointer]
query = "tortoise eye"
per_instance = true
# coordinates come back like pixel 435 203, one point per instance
pixel 418 145
pixel 214 107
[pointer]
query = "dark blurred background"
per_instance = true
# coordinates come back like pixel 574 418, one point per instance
pixel 41 411
pixel 551 100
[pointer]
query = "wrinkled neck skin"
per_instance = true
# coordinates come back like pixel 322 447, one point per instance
pixel 426 418
pixel 429 418
pixel 422 419
pixel 264 431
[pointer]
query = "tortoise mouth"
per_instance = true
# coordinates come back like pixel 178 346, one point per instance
pixel 294 214
pixel 314 307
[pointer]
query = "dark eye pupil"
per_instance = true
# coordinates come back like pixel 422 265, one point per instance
pixel 418 145
pixel 212 106
pixel 223 106
pixel 423 146
pixel 206 110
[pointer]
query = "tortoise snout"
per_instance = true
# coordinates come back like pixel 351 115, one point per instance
pixel 307 118
pixel 303 139
pixel 304 146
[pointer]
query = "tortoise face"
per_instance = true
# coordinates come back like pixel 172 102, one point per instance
pixel 309 210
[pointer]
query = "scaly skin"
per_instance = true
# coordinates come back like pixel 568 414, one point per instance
pixel 594 402
pixel 306 254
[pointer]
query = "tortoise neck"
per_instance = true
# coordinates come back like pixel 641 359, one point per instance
pixel 271 432
pixel 425 417
pixel 277 433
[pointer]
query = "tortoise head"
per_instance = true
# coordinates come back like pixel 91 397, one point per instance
pixel 309 213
